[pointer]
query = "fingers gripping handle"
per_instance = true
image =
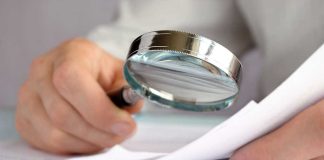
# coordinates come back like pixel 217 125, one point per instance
pixel 125 97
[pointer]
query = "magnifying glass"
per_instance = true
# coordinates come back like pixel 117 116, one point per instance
pixel 180 70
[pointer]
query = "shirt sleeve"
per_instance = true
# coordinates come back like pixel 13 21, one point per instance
pixel 114 39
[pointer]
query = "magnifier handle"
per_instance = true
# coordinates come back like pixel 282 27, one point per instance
pixel 125 97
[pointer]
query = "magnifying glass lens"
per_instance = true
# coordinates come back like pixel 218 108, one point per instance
pixel 180 81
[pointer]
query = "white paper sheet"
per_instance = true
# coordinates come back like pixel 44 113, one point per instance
pixel 303 88
pixel 19 150
pixel 120 153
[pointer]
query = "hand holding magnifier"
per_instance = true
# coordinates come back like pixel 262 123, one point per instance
pixel 180 70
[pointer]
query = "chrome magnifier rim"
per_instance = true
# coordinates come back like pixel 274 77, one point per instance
pixel 212 54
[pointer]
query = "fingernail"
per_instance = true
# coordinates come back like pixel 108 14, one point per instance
pixel 121 129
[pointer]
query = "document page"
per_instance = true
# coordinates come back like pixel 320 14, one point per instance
pixel 303 88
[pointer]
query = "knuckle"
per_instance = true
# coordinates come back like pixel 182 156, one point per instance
pixel 79 42
pixel 36 65
pixel 37 62
pixel 64 76
pixel 38 71
pixel 22 93
pixel 80 46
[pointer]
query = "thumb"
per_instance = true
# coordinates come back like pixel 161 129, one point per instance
pixel 111 73
pixel 299 139
pixel 112 80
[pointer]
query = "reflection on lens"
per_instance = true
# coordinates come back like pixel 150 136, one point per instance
pixel 180 81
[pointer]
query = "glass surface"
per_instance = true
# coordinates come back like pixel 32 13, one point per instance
pixel 180 81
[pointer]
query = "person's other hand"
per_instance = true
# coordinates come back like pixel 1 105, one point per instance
pixel 301 138
pixel 63 106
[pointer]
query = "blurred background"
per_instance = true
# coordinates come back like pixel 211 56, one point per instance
pixel 30 28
